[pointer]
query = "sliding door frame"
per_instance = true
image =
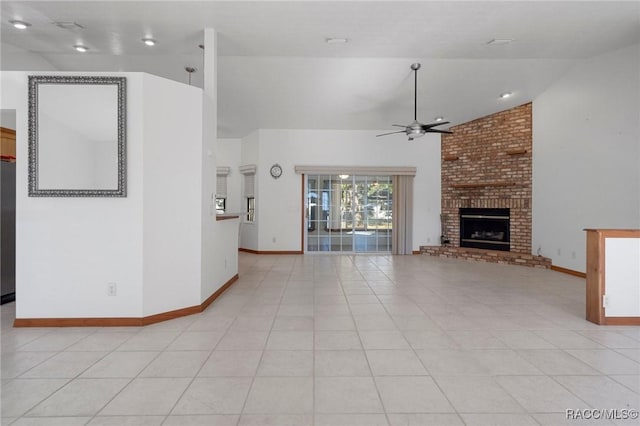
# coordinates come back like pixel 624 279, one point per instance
pixel 305 211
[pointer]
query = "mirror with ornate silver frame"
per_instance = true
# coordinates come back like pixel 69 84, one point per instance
pixel 77 136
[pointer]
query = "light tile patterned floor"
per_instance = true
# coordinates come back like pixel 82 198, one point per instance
pixel 336 340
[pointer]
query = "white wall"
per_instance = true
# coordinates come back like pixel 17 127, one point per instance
pixel 229 154
pixel 148 243
pixel 586 155
pixel 68 249
pixel 279 206
pixel 8 119
pixel 172 114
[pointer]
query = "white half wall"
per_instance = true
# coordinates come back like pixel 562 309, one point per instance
pixel 586 155
pixel 229 153
pixel 149 243
pixel 69 249
pixel 172 114
pixel 279 201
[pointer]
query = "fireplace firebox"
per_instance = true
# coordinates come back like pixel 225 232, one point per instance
pixel 485 228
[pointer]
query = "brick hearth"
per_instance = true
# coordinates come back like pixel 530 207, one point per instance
pixel 486 163
pixel 493 256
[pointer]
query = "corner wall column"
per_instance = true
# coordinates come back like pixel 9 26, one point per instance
pixel 219 238
pixel 209 179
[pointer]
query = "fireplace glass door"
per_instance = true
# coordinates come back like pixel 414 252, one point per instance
pixel 485 228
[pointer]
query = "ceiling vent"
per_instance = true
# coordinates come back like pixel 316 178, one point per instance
pixel 499 41
pixel 68 25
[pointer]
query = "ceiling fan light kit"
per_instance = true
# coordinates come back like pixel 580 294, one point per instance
pixel 417 129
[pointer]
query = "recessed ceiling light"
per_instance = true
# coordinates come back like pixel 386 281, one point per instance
pixel 336 40
pixel 439 118
pixel 499 41
pixel 505 95
pixel 80 48
pixel 21 25
pixel 149 41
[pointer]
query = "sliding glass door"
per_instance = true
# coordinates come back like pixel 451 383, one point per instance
pixel 348 213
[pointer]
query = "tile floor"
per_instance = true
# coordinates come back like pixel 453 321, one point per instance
pixel 336 340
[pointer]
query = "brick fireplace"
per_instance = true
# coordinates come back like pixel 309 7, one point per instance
pixel 486 164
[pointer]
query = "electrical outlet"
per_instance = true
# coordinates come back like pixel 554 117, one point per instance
pixel 225 263
pixel 559 252
pixel 112 289
pixel 273 239
pixel 573 254
pixel 428 239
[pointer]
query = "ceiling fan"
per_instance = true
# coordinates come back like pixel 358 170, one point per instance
pixel 416 129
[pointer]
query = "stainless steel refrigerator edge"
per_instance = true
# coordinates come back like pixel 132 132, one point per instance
pixel 8 231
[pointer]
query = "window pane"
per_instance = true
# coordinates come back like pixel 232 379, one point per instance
pixel 251 203
pixel 221 204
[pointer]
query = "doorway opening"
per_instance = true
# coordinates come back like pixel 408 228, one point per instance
pixel 348 213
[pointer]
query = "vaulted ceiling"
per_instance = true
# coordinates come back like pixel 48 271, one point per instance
pixel 277 71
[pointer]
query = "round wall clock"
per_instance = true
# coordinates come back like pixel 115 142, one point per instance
pixel 276 171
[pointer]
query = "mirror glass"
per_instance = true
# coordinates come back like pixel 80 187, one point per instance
pixel 76 136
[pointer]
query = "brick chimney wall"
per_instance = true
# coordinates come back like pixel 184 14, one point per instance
pixel 486 163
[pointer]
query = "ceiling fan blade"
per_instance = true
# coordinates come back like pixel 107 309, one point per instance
pixel 400 125
pixel 439 123
pixel 392 133
pixel 437 131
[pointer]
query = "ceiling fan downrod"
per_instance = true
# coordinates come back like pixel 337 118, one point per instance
pixel 416 129
pixel 415 67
